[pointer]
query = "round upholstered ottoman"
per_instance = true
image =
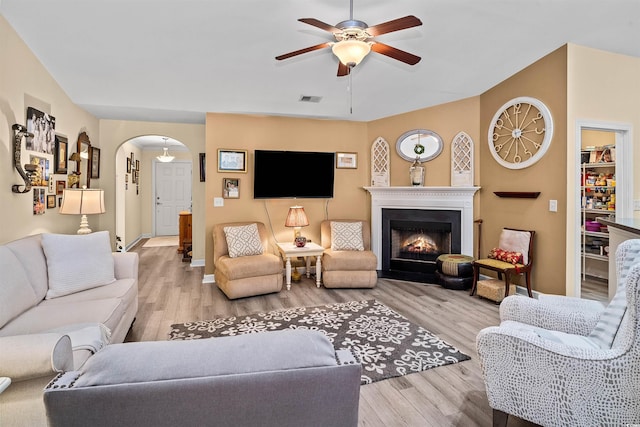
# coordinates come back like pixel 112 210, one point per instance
pixel 454 271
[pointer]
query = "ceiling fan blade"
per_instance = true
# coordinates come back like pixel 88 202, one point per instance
pixel 301 51
pixel 395 25
pixel 320 24
pixel 392 52
pixel 343 70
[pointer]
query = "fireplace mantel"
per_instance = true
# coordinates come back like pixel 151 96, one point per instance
pixel 436 198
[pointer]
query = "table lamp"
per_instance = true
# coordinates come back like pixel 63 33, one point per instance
pixel 84 201
pixel 297 219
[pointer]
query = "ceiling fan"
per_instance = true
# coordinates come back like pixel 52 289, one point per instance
pixel 355 39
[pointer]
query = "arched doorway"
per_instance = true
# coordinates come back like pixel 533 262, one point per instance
pixel 136 185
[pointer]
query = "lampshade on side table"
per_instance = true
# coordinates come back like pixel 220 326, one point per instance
pixel 84 201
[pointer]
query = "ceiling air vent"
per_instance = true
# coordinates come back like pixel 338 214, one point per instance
pixel 309 98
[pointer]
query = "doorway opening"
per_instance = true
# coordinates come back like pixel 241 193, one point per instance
pixel 604 174
pixel 139 184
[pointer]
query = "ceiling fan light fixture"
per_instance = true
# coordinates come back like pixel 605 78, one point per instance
pixel 165 157
pixel 351 52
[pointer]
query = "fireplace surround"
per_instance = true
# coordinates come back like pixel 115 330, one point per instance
pixel 446 211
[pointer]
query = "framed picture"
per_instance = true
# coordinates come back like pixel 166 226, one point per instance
pixel 40 178
pixel 231 188
pixel 136 174
pixel 203 166
pixel 42 127
pixel 95 162
pixel 60 155
pixel 38 201
pixel 132 159
pixel 128 164
pixel 60 186
pixel 347 160
pixel 232 161
pixel 137 165
pixel 51 201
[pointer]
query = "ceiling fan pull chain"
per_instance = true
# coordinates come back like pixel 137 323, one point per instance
pixel 350 88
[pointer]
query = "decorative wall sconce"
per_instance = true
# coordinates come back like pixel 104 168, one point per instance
pixel 20 132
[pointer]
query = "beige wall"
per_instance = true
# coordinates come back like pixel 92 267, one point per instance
pixel 284 133
pixel 603 87
pixel 546 81
pixel 25 83
pixel 446 120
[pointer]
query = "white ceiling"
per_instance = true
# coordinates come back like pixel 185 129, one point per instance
pixel 175 60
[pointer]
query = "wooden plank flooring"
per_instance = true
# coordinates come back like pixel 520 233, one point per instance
pixel 171 291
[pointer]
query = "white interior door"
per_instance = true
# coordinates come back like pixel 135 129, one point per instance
pixel 172 195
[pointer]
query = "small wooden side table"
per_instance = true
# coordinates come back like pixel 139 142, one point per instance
pixel 289 250
pixel 184 224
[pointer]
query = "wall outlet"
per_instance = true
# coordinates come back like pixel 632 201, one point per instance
pixel 218 202
pixel 553 206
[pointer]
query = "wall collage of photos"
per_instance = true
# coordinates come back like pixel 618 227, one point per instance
pixel 49 152
pixel 133 168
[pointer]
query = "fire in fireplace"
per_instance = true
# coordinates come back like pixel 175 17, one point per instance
pixel 412 240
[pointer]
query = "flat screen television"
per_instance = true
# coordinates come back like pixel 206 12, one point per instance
pixel 293 174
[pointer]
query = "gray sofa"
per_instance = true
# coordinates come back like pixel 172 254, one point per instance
pixel 45 330
pixel 270 379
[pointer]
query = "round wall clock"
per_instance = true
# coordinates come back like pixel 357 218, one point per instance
pixel 520 132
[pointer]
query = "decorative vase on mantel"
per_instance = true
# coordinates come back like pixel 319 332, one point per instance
pixel 416 174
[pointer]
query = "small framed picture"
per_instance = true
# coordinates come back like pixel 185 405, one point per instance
pixel 95 162
pixel 347 160
pixel 232 161
pixel 60 155
pixel 230 188
pixel 60 186
pixel 128 164
pixel 51 201
pixel 137 165
pixel 203 164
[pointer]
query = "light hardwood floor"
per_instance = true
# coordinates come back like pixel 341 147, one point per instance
pixel 172 292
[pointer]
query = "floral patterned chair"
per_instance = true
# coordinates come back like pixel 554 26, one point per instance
pixel 544 366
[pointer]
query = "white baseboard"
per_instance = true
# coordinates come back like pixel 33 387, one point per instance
pixel 197 263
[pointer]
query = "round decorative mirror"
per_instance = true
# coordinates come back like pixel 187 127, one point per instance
pixel 420 144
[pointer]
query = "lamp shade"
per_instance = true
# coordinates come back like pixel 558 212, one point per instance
pixel 85 201
pixel 296 217
pixel 351 52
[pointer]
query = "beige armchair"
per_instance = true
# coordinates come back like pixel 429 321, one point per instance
pixel 351 268
pixel 257 271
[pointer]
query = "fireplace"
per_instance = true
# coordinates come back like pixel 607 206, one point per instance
pixel 412 240
pixel 444 215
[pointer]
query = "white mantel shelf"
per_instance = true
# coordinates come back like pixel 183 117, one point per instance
pixel 437 198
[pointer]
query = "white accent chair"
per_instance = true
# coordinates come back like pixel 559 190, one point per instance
pixel 565 361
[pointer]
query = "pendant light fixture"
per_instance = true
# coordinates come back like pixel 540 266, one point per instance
pixel 165 157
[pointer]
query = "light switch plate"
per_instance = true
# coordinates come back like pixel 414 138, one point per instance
pixel 218 202
pixel 636 205
pixel 553 206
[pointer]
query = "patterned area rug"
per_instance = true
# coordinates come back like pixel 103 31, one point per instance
pixel 387 344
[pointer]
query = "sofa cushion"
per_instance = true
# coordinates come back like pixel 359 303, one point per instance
pixel 243 240
pixel 29 252
pixel 349 260
pixel 129 363
pixel 346 236
pixel 249 266
pixel 16 294
pixel 77 262
pixel 50 314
